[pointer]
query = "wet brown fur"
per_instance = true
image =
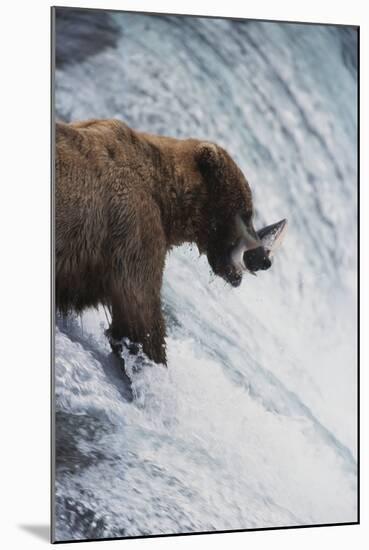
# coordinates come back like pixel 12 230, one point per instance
pixel 123 199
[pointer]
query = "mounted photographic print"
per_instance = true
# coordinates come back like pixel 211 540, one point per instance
pixel 205 252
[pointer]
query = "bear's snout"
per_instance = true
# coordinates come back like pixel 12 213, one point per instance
pixel 233 277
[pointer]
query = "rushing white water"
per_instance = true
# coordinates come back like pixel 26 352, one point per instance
pixel 253 424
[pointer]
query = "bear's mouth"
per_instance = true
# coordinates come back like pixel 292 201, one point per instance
pixel 252 255
pixel 233 274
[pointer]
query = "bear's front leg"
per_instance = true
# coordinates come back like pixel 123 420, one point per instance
pixel 137 316
pixel 138 258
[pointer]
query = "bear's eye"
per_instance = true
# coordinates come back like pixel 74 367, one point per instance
pixel 246 216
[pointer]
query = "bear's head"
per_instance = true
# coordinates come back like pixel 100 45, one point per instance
pixel 230 241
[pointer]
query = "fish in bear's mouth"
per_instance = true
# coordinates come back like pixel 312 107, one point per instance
pixel 252 255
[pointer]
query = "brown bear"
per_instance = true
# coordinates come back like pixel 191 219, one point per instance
pixel 123 198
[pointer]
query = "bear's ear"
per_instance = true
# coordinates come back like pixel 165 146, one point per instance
pixel 210 159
